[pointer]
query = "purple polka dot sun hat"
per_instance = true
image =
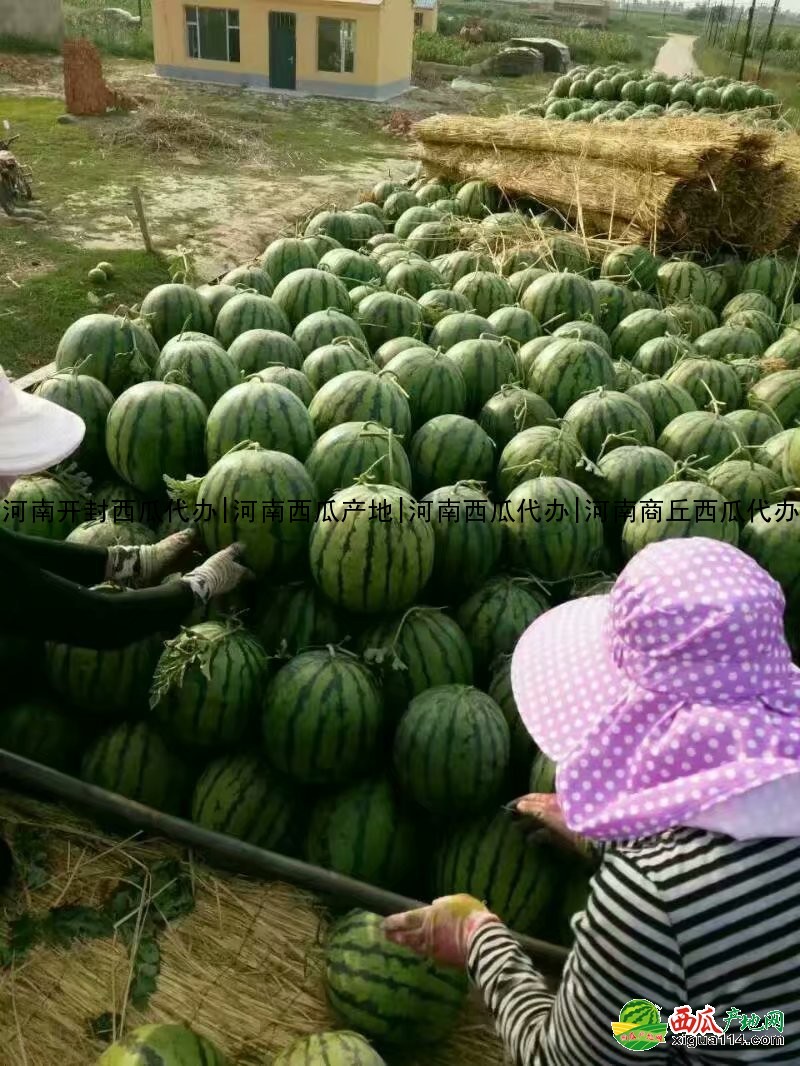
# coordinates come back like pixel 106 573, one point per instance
pixel 672 701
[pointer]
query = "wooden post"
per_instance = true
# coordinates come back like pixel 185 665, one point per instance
pixel 747 33
pixel 767 37
pixel 137 203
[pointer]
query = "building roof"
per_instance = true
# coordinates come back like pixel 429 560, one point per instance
pixel 425 5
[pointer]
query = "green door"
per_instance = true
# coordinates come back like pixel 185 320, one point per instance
pixel 281 50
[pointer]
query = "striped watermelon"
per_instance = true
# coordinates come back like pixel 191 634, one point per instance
pixel 603 419
pixel 496 615
pixel 778 394
pixel 791 461
pixel 771 538
pixel 491 859
pixel 693 319
pixel 616 302
pixel 638 327
pixel 413 217
pixel 386 991
pixel 748 484
pixel 558 298
pixel 447 449
pixel 452 329
pixel 365 832
pixel 451 750
pixel 500 690
pixel 627 475
pixel 323 718
pixel 413 279
pixel 329 1049
pixel 758 322
pixel 422 649
pixel 385 315
pixel 657 355
pixel 370 564
pixel 327 362
pixel 91 400
pixel 241 796
pixel 773 453
pixel 247 311
pixel 361 396
pixel 710 382
pixel 295 617
pixel 701 436
pixel 271 415
pixel 286 255
pixel 433 384
pixel 486 291
pixel 729 340
pixel 105 532
pixel 468 541
pixel 345 452
pixel 216 296
pixel 586 331
pixel 114 350
pixel 554 531
pixel 351 268
pixel 680 280
pixel 679 509
pixel 431 239
pixel 662 400
pixel 291 379
pixel 303 292
pixel 786 349
pixel 456 265
pixel 253 278
pixel 256 349
pixel 632 265
pixel 275 531
pixel 42 506
pixel 519 280
pixel 717 288
pixel 155 428
pixel 207 684
pixel 397 203
pixel 515 323
pixel 324 327
pixel 38 730
pixel 437 303
pixel 319 243
pixel 511 410
pixel 202 365
pixel 566 369
pixel 749 301
pixel 543 774
pixel 486 364
pixel 626 375
pixel 170 309
pixel 476 199
pixel 773 277
pixel 162 1045
pixel 133 761
pixel 752 427
pixel 540 450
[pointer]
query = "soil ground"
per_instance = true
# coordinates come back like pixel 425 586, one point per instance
pixel 677 56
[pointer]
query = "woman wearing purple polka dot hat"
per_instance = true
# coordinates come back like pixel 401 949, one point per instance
pixel 671 708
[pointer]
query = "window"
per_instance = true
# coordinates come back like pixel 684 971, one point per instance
pixel 212 33
pixel 336 45
pixel 417 20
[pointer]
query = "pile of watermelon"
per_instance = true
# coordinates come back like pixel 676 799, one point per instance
pixel 422 446
pixel 616 94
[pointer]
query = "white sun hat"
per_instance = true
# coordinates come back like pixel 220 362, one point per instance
pixel 34 433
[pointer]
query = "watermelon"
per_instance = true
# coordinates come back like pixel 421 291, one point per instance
pixel 456 265
pixel 543 774
pixel 433 384
pixel 447 449
pixel 216 296
pixel 247 311
pixel 771 538
pixel 256 349
pixel 693 319
pixel 295 617
pixel 432 192
pixel 626 375
pixel 729 340
pixel 37 729
pixel 106 532
pixel 752 427
pixel 749 301
pixel 769 275
pixel 496 615
pixel 359 395
pixel 785 349
pixel 286 255
pixel 133 761
pixel 657 355
pixel 319 243
pixel 202 365
pixel 241 796
pixel 566 369
pixel 425 999
pixel 275 529
pixel 377 553
pixel 521 279
pixel 256 411
pixel 345 452
pixel 468 541
pixel 476 199
pixel 515 323
pixel 631 265
pixel 323 718
pixel 717 287
pixel 554 531
pixel 329 1049
pixel 700 436
pixel 758 322
pixel 452 329
pixel 490 858
pixel 413 279
pixel 540 450
pixel 365 832
pixel 710 382
pixel 500 690
pixel 384 355
pixel 679 509
pixel 486 291
pixel 291 379
pixel 431 239
pixel 773 453
pixel 351 268
pixel 253 278
pixel 91 400
pixel 361 292
pixel 626 475
pixel 586 331
pixel 397 203
pixel 558 298
pixel 680 280
pixel 114 350
pixel 385 315
pixel 778 394
pixel 324 327
pixel 306 291
pixel 436 303
pixel 662 400
pixel 327 362
pixel 603 419
pixel 156 429
pixel 511 410
pixel 615 303
pixel 791 461
pixel 421 649
pixel 170 309
pixel 638 327
pixel 748 484
pixel 412 218
pixel 530 352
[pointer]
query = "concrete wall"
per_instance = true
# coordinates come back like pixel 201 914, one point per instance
pixel 383 36
pixel 33 20
pixel 429 20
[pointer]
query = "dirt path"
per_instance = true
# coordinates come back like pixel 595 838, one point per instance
pixel 676 57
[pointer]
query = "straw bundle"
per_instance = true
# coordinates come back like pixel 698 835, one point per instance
pixel 676 182
pixel 243 966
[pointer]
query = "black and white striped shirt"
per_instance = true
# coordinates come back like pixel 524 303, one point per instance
pixel 686 917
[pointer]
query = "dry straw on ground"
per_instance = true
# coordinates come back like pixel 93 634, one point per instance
pixel 244 967
pixel 677 182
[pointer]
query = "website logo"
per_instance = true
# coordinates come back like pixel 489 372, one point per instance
pixel 639 1027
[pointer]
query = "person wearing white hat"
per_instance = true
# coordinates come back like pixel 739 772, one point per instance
pixel 45 582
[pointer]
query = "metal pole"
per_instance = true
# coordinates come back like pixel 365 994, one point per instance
pixel 767 36
pixel 747 33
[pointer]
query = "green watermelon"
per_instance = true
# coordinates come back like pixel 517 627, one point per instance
pixel 486 291
pixel 749 301
pixel 171 309
pixel 756 321
pixel 626 375
pixel 241 796
pixel 452 329
pixel 500 690
pixel 324 327
pixel 306 291
pixel 323 718
pixel 256 349
pixel 202 365
pixel 377 553
pixel 106 532
pixel 319 243
pixel 359 395
pixel 476 199
pixel 294 380
pixel 247 311
pixel 351 268
pixel 114 350
pixel 286 255
pixel 511 410
pixel 385 315
pixel 384 355
pixel 520 279
pixel 413 217
pixel 662 400
pixel 338 357
pixel 566 369
pixel 133 761
pixel 638 327
pixel 329 1049
pixel 786 349
pixel 437 303
pixel 554 531
pixel 42 506
pixel 345 452
pixel 216 296
pixel 631 265
pixel 496 615
pixel 752 427
pixel 540 450
pixel 748 484
pixel 615 301
pixel 88 398
pixel 256 411
pixel 729 340
pixel 771 538
pixel 468 542
pixel 586 331
pixel 432 238
pixel 447 449
pixel 778 394
pixel 773 453
pixel 626 475
pixel 38 730
pixel 456 265
pixel 680 280
pixel 515 323
pixel 397 203
pixel 693 319
pixel 434 385
pixel 558 298
pixel 679 509
pixel 413 279
pixel 701 436
pixel 254 278
pixel 710 382
pixel 775 278
pixel 294 617
pixel 604 419
pixel 543 774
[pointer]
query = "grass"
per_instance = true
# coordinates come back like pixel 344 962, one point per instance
pixel 82 18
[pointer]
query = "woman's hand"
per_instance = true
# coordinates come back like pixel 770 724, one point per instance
pixel 144 564
pixel 543 822
pixel 219 574
pixel 442 931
